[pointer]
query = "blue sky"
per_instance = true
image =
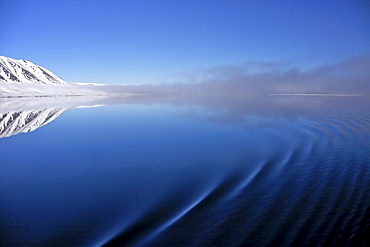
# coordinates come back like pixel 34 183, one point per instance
pixel 119 42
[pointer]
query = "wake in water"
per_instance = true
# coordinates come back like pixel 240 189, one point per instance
pixel 310 188
pixel 248 171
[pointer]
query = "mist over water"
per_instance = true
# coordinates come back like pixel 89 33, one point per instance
pixel 347 77
pixel 186 170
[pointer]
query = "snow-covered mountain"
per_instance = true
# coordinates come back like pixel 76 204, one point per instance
pixel 15 122
pixel 23 71
pixel 22 78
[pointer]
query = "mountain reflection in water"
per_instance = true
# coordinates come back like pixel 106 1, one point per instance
pixel 226 170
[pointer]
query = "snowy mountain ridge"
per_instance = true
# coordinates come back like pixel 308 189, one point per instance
pixel 23 71
pixel 22 78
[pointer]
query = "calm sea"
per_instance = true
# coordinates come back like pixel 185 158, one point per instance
pixel 231 171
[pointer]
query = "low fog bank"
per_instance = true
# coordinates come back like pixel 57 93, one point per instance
pixel 351 76
pixel 226 94
pixel 256 78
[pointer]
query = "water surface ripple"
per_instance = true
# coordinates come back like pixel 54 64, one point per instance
pixel 313 192
pixel 138 176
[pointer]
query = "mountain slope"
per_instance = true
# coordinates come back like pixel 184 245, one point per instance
pixel 21 78
pixel 23 71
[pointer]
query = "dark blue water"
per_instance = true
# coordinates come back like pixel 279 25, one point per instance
pixel 182 174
